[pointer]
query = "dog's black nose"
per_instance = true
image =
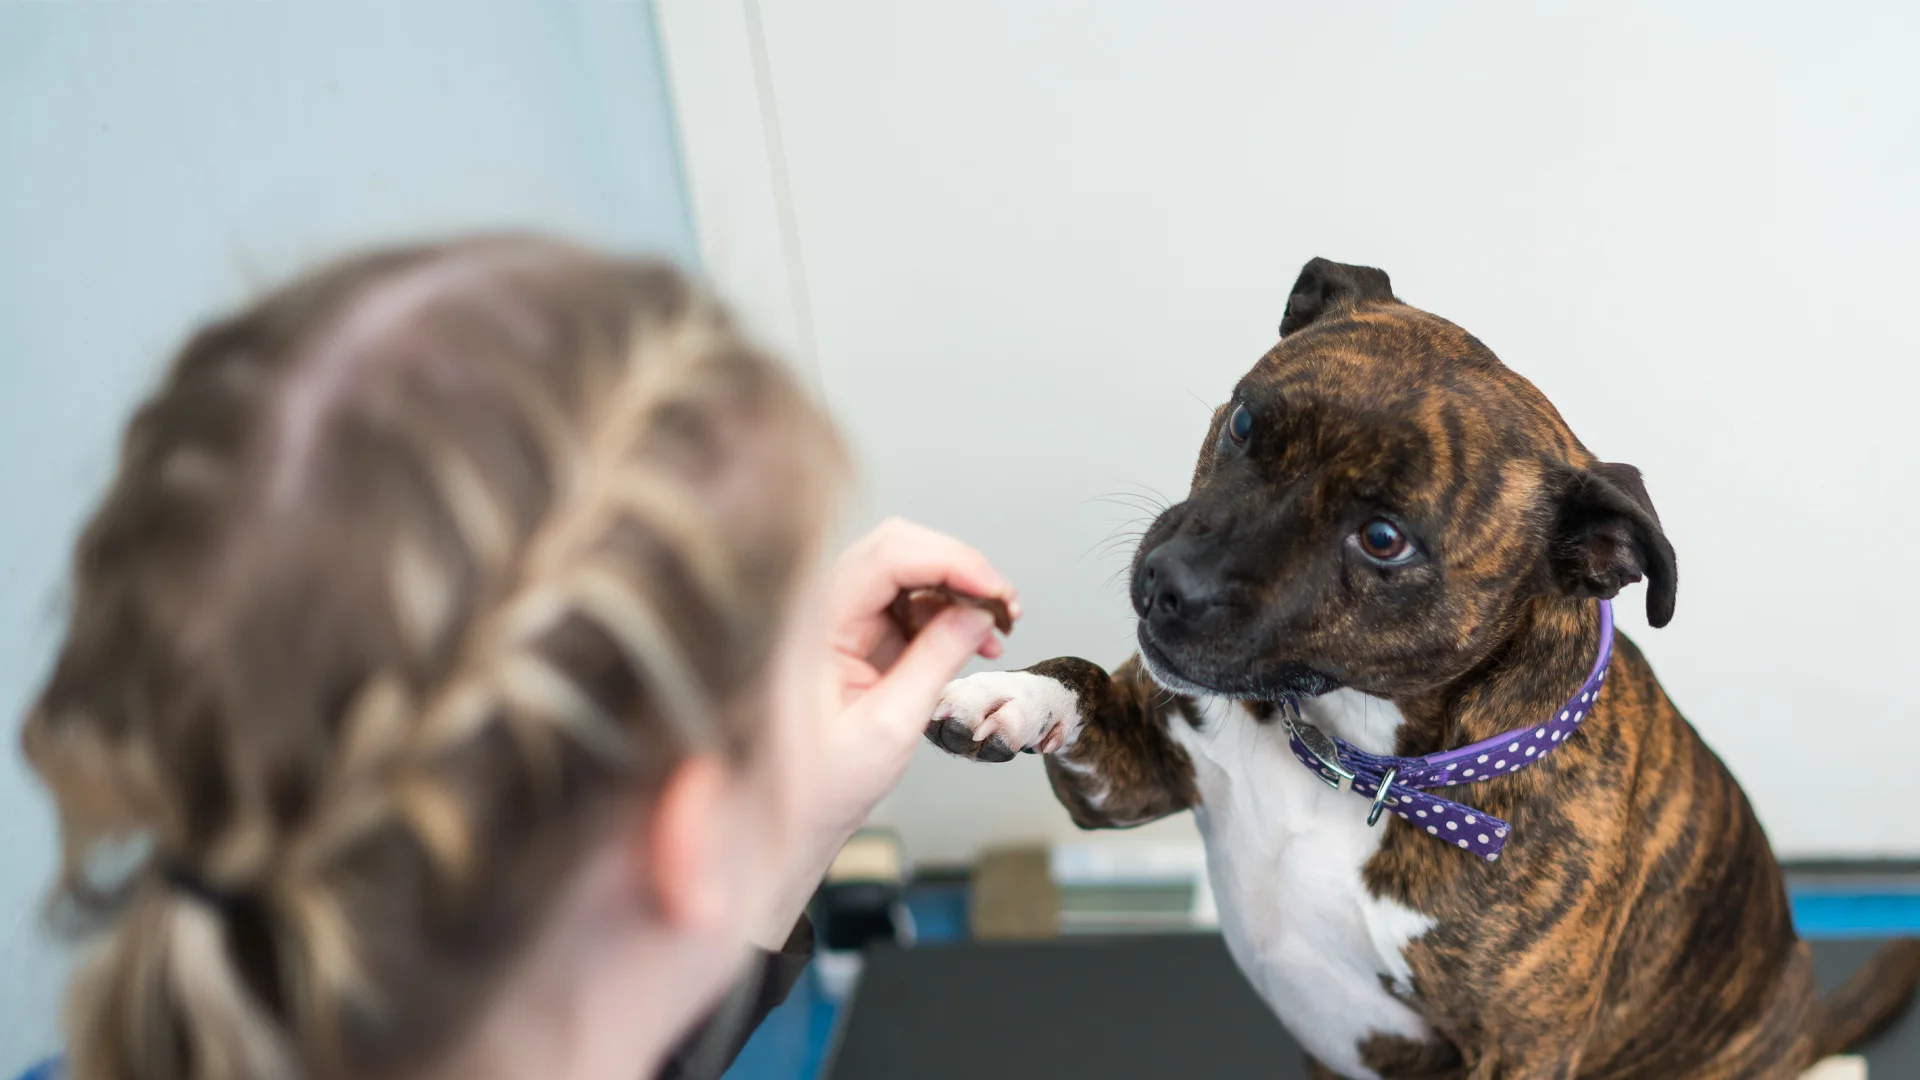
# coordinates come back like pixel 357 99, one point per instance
pixel 1168 589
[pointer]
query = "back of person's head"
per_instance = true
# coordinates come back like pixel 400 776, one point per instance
pixel 411 575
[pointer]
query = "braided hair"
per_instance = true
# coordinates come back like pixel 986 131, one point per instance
pixel 410 574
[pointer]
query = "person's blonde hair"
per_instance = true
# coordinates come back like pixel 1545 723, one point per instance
pixel 411 574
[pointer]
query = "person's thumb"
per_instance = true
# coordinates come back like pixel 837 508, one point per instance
pixel 906 695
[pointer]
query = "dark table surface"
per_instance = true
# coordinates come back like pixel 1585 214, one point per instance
pixel 1120 1009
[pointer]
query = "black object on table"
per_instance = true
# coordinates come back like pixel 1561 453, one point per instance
pixel 851 916
pixel 1142 1008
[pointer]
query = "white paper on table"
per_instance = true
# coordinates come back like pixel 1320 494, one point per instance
pixel 1846 1067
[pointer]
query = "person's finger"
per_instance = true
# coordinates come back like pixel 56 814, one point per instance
pixel 889 644
pixel 910 689
pixel 901 555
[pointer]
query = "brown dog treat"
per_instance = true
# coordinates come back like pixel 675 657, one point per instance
pixel 913 609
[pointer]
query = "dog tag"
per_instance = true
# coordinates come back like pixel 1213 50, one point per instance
pixel 1321 746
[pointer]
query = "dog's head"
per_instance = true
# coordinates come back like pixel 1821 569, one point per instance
pixel 1375 507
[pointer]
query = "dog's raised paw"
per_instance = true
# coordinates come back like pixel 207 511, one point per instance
pixel 994 715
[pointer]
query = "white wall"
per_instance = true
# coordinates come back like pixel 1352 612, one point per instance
pixel 160 161
pixel 1041 237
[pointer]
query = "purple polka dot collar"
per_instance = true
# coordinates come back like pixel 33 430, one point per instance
pixel 1397 784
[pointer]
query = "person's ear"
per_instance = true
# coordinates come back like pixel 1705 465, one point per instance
pixel 1325 286
pixel 683 858
pixel 1607 536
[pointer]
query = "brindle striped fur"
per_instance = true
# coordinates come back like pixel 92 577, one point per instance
pixel 1637 926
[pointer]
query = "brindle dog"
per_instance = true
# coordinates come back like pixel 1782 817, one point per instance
pixel 1390 526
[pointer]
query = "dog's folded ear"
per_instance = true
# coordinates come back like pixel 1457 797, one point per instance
pixel 1608 537
pixel 1325 286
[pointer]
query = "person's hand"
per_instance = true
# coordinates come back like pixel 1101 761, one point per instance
pixel 878 690
pixel 881 689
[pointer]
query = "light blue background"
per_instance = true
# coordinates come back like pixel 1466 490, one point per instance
pixel 160 161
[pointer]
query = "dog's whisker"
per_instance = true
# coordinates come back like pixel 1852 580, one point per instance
pixel 1107 549
pixel 1149 492
pixel 1150 489
pixel 1131 501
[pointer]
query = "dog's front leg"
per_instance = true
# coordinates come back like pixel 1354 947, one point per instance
pixel 1550 1065
pixel 1109 755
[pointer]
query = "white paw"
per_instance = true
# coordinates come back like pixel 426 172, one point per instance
pixel 996 714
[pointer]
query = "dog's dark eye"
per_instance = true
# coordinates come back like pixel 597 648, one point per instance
pixel 1240 424
pixel 1382 539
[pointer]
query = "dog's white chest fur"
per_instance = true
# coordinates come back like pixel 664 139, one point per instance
pixel 1285 853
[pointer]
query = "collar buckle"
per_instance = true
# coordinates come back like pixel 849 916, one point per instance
pixel 1317 742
